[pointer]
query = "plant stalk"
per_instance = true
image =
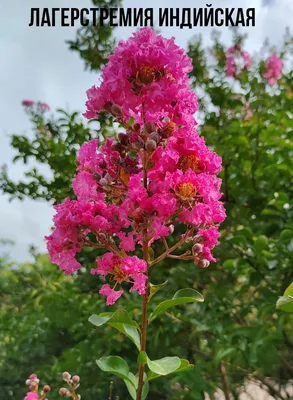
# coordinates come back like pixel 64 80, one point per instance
pixel 145 297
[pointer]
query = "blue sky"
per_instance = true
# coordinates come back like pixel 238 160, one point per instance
pixel 37 65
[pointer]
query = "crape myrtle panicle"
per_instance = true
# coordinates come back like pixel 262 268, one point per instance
pixel 233 53
pixel 157 175
pixel 273 69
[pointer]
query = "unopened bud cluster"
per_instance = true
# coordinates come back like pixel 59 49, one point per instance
pixel 34 390
pixel 73 385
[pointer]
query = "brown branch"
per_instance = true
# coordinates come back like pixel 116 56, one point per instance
pixel 171 249
pixel 225 380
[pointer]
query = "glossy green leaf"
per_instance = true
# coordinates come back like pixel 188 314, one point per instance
pixel 164 366
pixel 142 357
pixel 121 321
pixel 101 319
pixel 183 296
pixel 155 288
pixel 117 366
pixel 285 303
pixel 289 290
pixel 132 389
pixel 184 366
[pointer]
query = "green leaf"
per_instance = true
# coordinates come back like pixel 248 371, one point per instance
pixel 121 321
pixel 132 390
pixel 155 288
pixel 181 297
pixel 142 357
pixel 289 290
pixel 130 121
pixel 117 365
pixel 261 243
pixel 223 353
pixel 164 366
pixel 285 303
pixel 184 366
pixel 101 319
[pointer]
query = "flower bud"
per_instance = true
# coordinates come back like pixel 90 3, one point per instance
pixel 33 386
pixel 203 263
pixel 151 145
pixel 64 392
pixel 108 105
pixel 75 379
pixel 116 110
pixel 103 164
pixel 28 382
pixel 96 176
pixel 33 376
pixel 117 147
pixel 197 248
pixel 155 136
pixel 171 229
pixel 149 127
pixel 136 127
pixel 198 239
pixel 139 144
pixel 46 388
pixel 66 376
pixel 123 138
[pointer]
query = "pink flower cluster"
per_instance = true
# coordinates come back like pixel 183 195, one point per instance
pixel 158 173
pixel 273 68
pixel 231 64
pixel 43 107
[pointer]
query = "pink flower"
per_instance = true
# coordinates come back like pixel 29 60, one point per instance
pixel 31 396
pixel 156 175
pixel 111 294
pixel 234 53
pixel 28 103
pixel 43 106
pixel 273 68
pixel 141 69
pixel 248 112
pixel 231 65
pixel 247 59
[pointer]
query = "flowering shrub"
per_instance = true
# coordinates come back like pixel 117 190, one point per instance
pixel 235 53
pixel 273 69
pixel 158 176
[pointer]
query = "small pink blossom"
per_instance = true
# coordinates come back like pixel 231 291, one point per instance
pixel 31 396
pixel 43 106
pixel 111 294
pixel 273 69
pixel 28 103
pixel 248 112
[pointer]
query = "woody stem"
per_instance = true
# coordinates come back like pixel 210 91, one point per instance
pixel 145 297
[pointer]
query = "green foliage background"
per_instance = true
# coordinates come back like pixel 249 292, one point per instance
pixel 237 335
